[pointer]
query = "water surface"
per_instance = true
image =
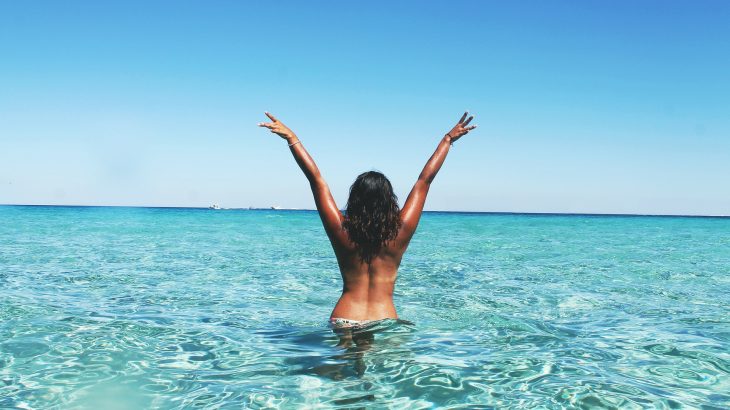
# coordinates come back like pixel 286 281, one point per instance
pixel 187 308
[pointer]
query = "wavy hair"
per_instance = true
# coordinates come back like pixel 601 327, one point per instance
pixel 372 217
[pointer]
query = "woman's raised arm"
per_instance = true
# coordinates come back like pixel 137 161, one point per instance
pixel 412 209
pixel 326 206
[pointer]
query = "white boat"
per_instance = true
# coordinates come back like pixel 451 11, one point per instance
pixel 214 206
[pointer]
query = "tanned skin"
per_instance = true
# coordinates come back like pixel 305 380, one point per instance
pixel 367 292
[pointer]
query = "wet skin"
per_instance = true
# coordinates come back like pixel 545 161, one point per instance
pixel 367 291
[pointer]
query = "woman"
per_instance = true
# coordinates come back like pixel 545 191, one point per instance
pixel 370 239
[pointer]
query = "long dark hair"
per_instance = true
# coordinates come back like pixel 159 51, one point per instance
pixel 373 216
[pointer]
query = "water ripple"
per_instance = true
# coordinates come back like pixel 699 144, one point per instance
pixel 173 309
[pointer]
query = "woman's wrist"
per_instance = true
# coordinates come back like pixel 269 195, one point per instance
pixel 292 140
pixel 448 138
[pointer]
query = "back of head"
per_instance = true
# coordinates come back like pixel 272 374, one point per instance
pixel 373 216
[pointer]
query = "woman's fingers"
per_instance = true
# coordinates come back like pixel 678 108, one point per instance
pixel 464 130
pixel 273 127
pixel 463 116
pixel 270 125
pixel 271 117
pixel 467 129
pixel 467 121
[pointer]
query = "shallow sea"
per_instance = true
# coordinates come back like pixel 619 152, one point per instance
pixel 125 308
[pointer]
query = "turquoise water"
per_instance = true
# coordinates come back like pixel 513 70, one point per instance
pixel 120 308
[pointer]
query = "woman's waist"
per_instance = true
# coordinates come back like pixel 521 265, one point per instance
pixel 368 290
pixel 359 307
pixel 367 296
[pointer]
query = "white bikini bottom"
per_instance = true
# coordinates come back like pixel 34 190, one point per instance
pixel 342 323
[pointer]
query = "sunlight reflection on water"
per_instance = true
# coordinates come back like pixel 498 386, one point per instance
pixel 167 308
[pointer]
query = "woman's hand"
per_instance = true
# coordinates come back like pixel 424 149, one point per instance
pixel 461 128
pixel 278 128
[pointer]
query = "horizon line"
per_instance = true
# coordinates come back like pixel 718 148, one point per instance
pixel 425 211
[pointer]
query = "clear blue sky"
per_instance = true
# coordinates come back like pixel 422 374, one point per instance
pixel 582 106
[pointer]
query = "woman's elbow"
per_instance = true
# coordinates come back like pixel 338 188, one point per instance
pixel 317 181
pixel 426 179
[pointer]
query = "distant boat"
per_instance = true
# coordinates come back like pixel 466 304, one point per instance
pixel 276 207
pixel 214 206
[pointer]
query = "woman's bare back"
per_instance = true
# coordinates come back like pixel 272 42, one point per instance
pixel 368 278
pixel 367 291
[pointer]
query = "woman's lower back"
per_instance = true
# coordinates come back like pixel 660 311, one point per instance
pixel 367 292
pixel 372 307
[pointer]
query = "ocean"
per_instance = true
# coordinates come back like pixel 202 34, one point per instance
pixel 173 308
